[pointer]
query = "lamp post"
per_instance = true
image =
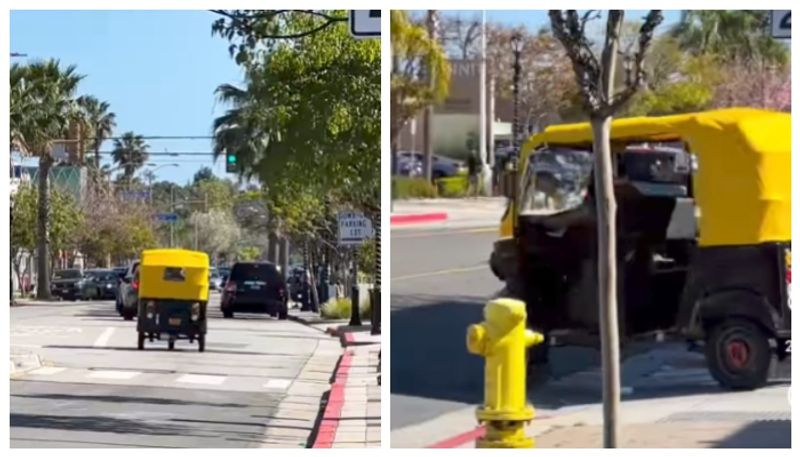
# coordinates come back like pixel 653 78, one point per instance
pixel 516 48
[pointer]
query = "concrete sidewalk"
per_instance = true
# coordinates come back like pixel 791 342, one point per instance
pixel 481 212
pixel 351 417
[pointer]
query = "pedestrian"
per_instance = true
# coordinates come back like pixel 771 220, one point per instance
pixel 473 171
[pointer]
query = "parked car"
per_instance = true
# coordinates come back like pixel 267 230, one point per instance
pixel 215 279
pixel 120 272
pixel 255 287
pixel 107 282
pixel 443 167
pixel 128 293
pixel 73 284
pixel 408 166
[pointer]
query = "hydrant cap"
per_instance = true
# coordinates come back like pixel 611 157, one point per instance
pixel 505 312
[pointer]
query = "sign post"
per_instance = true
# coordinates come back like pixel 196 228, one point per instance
pixel 781 23
pixel 354 228
pixel 365 24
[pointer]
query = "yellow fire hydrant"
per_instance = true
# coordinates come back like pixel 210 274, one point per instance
pixel 502 340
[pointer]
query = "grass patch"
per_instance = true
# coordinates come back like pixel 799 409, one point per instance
pixel 403 187
pixel 340 309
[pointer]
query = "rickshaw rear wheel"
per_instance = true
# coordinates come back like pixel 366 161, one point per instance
pixel 201 343
pixel 140 345
pixel 738 354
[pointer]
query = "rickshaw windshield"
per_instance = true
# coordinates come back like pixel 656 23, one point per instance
pixel 555 180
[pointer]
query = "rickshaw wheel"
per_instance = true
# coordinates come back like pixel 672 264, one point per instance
pixel 201 343
pixel 141 341
pixel 171 344
pixel 738 354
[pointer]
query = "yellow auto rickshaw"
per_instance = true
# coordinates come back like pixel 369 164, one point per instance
pixel 703 235
pixel 173 296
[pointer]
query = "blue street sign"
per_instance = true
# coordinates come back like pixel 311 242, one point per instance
pixel 167 217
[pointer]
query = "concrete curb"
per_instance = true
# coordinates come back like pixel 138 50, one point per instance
pixel 333 409
pixel 418 218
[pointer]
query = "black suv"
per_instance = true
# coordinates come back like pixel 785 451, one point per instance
pixel 255 287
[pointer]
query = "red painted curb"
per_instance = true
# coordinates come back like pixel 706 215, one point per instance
pixel 401 219
pixel 333 410
pixel 466 437
pixel 349 338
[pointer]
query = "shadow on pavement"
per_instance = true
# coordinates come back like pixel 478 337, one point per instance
pixel 767 434
pixel 103 424
pixel 121 399
pixel 430 360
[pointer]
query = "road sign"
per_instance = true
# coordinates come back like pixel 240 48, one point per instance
pixel 354 228
pixel 365 23
pixel 167 217
pixel 781 23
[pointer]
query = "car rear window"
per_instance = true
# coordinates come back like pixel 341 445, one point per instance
pixel 255 272
pixel 67 274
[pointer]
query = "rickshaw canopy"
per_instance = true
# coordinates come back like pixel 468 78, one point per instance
pixel 174 274
pixel 743 181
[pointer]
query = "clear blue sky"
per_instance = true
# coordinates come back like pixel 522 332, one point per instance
pixel 157 69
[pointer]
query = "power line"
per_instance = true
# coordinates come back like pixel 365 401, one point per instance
pixel 161 137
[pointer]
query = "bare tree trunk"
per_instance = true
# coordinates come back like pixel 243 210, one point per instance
pixel 272 250
pixel 43 208
pixel 313 279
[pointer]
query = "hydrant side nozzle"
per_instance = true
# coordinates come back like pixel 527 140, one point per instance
pixel 533 338
pixel 476 339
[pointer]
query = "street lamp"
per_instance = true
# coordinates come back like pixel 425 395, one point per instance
pixel 516 48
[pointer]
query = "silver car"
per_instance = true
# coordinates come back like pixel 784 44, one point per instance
pixel 128 293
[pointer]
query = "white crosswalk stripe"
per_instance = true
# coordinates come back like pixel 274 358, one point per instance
pixel 201 379
pixel 111 374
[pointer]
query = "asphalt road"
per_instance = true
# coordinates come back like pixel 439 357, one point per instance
pixel 97 390
pixel 440 283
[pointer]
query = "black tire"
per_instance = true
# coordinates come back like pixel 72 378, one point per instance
pixel 201 343
pixel 171 344
pixel 227 314
pixel 127 315
pixel 738 354
pixel 540 354
pixel 140 344
pixel 283 313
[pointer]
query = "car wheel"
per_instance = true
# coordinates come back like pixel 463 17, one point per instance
pixel 140 342
pixel 227 314
pixel 201 343
pixel 127 315
pixel 738 354
pixel 171 344
pixel 283 313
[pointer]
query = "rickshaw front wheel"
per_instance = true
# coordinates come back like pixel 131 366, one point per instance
pixel 201 343
pixel 171 343
pixel 141 341
pixel 738 354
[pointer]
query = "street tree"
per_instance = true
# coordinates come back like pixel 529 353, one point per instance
pixel 601 100
pixel 420 74
pixel 130 154
pixel 100 120
pixel 42 109
pixel 759 87
pixel 204 174
pixel 216 232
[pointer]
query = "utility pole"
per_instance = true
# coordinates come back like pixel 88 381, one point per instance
pixel 172 211
pixel 487 170
pixel 427 130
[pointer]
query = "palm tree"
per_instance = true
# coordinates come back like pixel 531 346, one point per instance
pixel 731 34
pixel 130 153
pixel 42 110
pixel 100 121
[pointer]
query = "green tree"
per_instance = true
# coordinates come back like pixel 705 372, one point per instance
pixel 204 174
pixel 414 55
pixel 730 34
pixel 129 153
pixel 100 120
pixel 42 109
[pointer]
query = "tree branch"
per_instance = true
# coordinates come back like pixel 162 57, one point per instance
pixel 244 21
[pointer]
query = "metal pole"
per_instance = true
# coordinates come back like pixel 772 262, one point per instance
pixel 515 128
pixel 487 171
pixel 172 211
pixel 355 312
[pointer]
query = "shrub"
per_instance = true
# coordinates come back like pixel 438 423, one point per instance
pixel 404 187
pixel 453 187
pixel 340 309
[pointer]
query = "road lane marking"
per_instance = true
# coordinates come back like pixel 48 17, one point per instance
pixel 440 273
pixel 102 340
pixel 111 374
pixel 45 371
pixel 443 232
pixel 277 384
pixel 201 379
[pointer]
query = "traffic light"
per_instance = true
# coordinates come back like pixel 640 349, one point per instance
pixel 230 162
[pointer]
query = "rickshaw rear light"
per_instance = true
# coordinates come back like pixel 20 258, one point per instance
pixel 195 311
pixel 151 308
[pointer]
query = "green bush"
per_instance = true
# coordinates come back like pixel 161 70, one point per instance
pixel 340 309
pixel 453 187
pixel 403 187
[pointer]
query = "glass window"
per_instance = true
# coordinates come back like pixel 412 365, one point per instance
pixel 556 180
